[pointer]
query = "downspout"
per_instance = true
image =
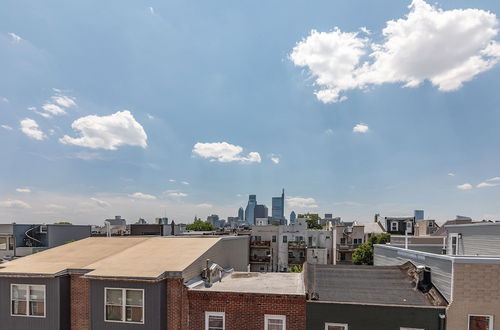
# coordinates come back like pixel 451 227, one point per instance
pixel 442 321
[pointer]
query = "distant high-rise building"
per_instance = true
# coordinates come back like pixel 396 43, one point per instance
pixel 250 210
pixel 161 221
pixel 419 214
pixel 328 216
pixel 278 206
pixel 293 217
pixel 241 214
pixel 214 220
pixel 261 211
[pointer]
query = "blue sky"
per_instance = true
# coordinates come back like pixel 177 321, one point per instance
pixel 124 107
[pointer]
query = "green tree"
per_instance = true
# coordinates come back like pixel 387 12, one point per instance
pixel 200 225
pixel 295 269
pixel 363 254
pixel 312 220
pixel 63 223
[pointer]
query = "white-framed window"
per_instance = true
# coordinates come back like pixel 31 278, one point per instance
pixel 215 320
pixel 394 225
pixel 124 305
pixel 27 300
pixel 454 243
pixel 3 243
pixel 409 226
pixel 336 326
pixel 480 322
pixel 274 322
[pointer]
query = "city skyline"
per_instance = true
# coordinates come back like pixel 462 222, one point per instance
pixel 177 117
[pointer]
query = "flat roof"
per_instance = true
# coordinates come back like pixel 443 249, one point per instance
pixel 363 284
pixel 267 283
pixel 131 257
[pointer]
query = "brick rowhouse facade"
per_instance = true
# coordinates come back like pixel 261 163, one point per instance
pixel 245 311
pixel 80 303
pixel 177 304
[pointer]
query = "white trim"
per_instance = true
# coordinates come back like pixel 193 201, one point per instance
pixel 490 325
pixel 336 325
pixel 208 314
pixel 28 300
pixel 268 317
pixel 124 304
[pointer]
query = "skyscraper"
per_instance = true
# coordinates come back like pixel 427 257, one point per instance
pixel 278 206
pixel 241 213
pixel 261 211
pixel 419 215
pixel 293 217
pixel 250 209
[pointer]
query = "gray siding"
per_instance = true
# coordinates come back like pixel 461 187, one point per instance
pixel 155 312
pixel 362 317
pixel 477 239
pixel 441 266
pixel 230 252
pixel 53 317
pixel 62 234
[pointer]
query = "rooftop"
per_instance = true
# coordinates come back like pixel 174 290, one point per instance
pixel 363 284
pixel 130 257
pixel 270 283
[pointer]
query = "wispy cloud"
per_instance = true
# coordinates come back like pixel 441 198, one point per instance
pixel 14 37
pixel 204 206
pixel 329 131
pixel 176 193
pixel 23 190
pixel 100 202
pixel 139 195
pixel 185 183
pixel 465 186
pixel 7 127
pixel 451 174
pixel 14 204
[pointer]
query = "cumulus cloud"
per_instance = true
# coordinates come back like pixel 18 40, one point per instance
pixel 15 37
pixel 140 195
pixel 7 127
pixel 427 44
pixel 107 132
pixel 14 204
pixel 360 128
pixel 31 129
pixel 301 202
pixel 23 190
pixel 224 152
pixel 465 186
pixel 52 109
pixel 64 100
pixel 100 202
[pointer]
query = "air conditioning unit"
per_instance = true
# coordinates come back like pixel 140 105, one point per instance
pixel 43 229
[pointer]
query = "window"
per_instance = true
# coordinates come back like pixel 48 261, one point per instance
pixel 124 305
pixel 3 243
pixel 310 241
pixel 394 226
pixel 215 320
pixel 358 241
pixel 274 239
pixel 454 244
pixel 27 300
pixel 409 226
pixel 274 322
pixel 285 238
pixel 12 240
pixel 480 322
pixel 342 241
pixel 335 326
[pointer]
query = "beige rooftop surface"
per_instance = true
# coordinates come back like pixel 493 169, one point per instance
pixel 138 257
pixel 270 283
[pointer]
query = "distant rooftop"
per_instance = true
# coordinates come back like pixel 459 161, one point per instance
pixel 363 284
pixel 131 257
pixel 270 283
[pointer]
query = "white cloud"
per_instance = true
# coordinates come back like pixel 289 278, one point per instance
pixel 451 174
pixel 427 44
pixel 151 117
pixel 31 129
pixel 204 206
pixel 55 206
pixel 100 202
pixel 329 131
pixel 107 132
pixel 53 109
pixel 365 30
pixel 7 127
pixel 15 37
pixel 4 99
pixel 465 186
pixel 497 178
pixel 151 10
pixel 176 193
pixel 224 152
pixel 14 204
pixel 171 180
pixel 360 128
pixel 487 184
pixel 275 159
pixel 140 195
pixel 301 202
pixel 185 183
pixel 64 101
pixel 23 190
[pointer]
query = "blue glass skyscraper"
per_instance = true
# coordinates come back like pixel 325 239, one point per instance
pixel 278 206
pixel 250 209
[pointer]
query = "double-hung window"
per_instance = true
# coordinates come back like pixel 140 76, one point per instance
pixel 480 322
pixel 27 300
pixel 215 320
pixel 336 326
pixel 274 322
pixel 124 305
pixel 3 243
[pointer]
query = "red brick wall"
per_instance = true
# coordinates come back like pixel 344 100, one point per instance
pixel 245 311
pixel 177 305
pixel 80 303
